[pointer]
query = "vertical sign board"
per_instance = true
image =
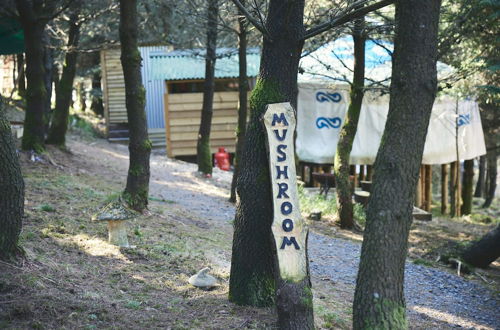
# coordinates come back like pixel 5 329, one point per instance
pixel 289 229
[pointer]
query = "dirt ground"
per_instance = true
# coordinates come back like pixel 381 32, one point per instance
pixel 72 278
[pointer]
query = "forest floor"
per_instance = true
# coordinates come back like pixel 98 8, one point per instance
pixel 72 278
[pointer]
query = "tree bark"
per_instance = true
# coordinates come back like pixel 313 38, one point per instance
pixel 348 131
pixel 454 189
pixel 253 272
pixel 444 188
pixel 137 189
pixel 379 298
pixel 59 125
pixel 243 99
pixel 36 92
pixel 12 196
pixel 48 62
pixel 203 152
pixel 21 79
pixel 467 187
pixel 97 106
pixel 428 187
pixel 491 159
pixel 485 251
pixel 478 192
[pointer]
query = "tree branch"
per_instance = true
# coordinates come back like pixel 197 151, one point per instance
pixel 345 17
pixel 251 19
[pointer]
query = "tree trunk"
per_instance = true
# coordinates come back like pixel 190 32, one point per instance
pixel 203 152
pixel 21 81
pixel 379 298
pixel 59 125
pixel 485 251
pixel 478 191
pixel 253 271
pixel 454 189
pixel 48 62
pixel 12 188
pixel 491 159
pixel 369 172
pixel 243 99
pixel 97 106
pixel 348 131
pixel 444 188
pixel 137 189
pixel 36 92
pixel 428 187
pixel 467 186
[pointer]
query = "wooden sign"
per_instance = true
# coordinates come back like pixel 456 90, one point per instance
pixel 289 229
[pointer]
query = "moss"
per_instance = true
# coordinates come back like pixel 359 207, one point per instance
pixel 266 91
pixel 204 157
pixel 391 315
pixel 136 170
pixel 307 298
pixel 146 144
pixel 137 200
pixel 31 142
pixel 258 291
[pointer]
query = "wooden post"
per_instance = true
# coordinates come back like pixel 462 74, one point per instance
pixel 428 187
pixel 454 188
pixel 444 188
pixel 418 192
pixel 361 172
pixel 293 286
pixel 352 171
pixel 369 172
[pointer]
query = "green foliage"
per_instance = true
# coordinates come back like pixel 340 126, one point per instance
pixel 46 208
pixel 359 214
pixel 82 126
pixel 423 262
pixel 469 42
pixel 133 304
pixel 333 321
pixel 316 202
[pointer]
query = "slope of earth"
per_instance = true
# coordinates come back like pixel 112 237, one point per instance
pixel 72 278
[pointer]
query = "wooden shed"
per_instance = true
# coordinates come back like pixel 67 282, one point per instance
pixel 183 74
pixel 113 85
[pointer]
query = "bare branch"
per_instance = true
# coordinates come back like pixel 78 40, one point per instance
pixel 348 15
pixel 51 14
pixel 251 19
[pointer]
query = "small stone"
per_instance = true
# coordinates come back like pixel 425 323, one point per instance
pixel 202 279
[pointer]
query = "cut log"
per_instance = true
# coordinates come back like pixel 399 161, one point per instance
pixel 485 251
pixel 366 185
pixel 419 214
pixel 362 197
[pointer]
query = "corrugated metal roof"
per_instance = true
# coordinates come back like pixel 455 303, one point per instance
pixel 190 64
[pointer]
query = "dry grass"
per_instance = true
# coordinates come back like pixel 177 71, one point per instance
pixel 72 278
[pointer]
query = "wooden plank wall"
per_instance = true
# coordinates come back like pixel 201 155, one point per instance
pixel 113 85
pixel 183 115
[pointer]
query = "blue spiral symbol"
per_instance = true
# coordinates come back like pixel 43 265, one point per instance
pixel 324 122
pixel 328 97
pixel 463 120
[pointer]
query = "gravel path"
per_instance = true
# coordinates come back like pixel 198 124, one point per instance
pixel 434 296
pixel 435 299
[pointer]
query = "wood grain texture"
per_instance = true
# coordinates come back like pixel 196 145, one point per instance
pixel 288 225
